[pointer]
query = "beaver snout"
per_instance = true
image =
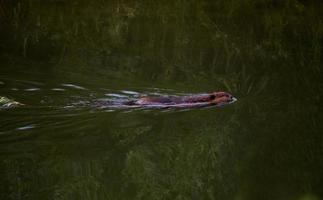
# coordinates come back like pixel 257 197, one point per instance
pixel 222 97
pixel 215 95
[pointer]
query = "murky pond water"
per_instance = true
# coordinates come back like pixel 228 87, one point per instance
pixel 58 56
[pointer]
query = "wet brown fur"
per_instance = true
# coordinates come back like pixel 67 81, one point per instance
pixel 211 98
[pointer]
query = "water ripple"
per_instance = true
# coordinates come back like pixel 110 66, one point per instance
pixel 73 86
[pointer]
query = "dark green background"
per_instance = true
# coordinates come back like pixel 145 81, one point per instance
pixel 267 145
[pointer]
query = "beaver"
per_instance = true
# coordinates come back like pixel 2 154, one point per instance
pixel 214 98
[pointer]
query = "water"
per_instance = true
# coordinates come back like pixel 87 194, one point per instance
pixel 56 56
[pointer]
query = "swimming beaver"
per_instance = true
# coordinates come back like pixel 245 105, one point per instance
pixel 214 98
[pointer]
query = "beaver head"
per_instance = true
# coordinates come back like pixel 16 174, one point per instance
pixel 220 98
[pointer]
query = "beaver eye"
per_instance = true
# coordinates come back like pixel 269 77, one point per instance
pixel 212 97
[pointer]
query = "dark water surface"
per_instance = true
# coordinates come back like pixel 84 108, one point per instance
pixel 58 55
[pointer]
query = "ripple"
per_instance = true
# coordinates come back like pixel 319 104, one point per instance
pixel 73 86
pixel 129 92
pixel 116 95
pixel 32 89
pixel 22 128
pixel 58 89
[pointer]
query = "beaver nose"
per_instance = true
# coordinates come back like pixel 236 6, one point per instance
pixel 229 97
